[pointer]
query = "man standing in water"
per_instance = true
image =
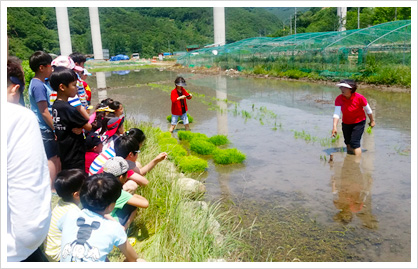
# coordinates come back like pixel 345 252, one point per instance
pixel 179 104
pixel 352 105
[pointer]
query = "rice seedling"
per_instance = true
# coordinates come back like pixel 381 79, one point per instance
pixel 369 130
pixel 202 146
pixel 219 140
pixel 188 136
pixel 192 164
pixel 228 156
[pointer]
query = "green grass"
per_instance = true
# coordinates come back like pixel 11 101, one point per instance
pixel 174 228
pixel 228 156
pixel 202 146
pixel 219 140
pixel 188 136
pixel 192 164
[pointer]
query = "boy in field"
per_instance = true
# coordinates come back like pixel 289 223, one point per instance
pixel 39 97
pixel 68 184
pixel 66 117
pixel 87 236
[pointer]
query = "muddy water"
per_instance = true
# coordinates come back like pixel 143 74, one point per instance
pixel 287 179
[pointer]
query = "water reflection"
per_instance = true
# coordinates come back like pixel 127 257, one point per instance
pixel 222 112
pixel 352 186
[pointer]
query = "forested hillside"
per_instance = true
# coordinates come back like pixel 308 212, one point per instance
pixel 150 31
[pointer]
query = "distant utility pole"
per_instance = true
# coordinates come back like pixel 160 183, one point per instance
pixel 295 21
pixel 342 14
pixel 358 18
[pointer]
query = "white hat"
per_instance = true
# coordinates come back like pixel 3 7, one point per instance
pixel 344 85
pixel 86 72
pixel 66 61
pixel 118 166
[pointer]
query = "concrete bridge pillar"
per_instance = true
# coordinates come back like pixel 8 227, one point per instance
pixel 63 30
pixel 96 36
pixel 219 25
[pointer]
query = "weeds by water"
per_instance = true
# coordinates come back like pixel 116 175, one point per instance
pixel 174 228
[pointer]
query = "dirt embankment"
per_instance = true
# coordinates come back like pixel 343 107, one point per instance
pixel 172 66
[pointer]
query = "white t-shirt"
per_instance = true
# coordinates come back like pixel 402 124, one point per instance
pixel 28 184
pixel 88 236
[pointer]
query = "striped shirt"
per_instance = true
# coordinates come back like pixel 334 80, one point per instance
pixel 53 240
pixel 100 160
pixel 73 101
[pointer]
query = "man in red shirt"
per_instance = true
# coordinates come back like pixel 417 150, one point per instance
pixel 179 104
pixel 352 105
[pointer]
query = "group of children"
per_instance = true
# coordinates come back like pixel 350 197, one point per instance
pixel 92 161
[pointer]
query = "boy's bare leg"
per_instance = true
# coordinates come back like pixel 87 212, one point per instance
pixel 129 221
pixel 187 127
pixel 54 167
pixel 172 128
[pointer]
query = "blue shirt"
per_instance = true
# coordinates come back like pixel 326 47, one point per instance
pixel 39 91
pixel 88 236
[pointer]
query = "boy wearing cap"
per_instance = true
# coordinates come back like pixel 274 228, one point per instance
pixel 126 204
pixel 39 97
pixel 94 147
pixel 78 101
pixel 179 104
pixel 353 107
pixel 66 117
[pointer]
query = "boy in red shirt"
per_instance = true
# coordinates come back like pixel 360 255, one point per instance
pixel 94 147
pixel 179 104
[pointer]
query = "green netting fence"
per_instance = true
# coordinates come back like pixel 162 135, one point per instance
pixel 328 54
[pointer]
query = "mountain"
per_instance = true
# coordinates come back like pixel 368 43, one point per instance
pixel 146 30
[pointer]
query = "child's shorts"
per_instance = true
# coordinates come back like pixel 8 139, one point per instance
pixel 124 214
pixel 183 117
pixel 353 133
pixel 50 144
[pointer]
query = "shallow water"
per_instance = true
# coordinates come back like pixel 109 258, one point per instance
pixel 371 197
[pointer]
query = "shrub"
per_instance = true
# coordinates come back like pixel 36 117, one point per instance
pixel 201 146
pixel 188 136
pixel 228 156
pixel 192 164
pixel 188 115
pixel 218 140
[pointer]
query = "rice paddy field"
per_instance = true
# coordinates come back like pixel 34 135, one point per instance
pixel 296 192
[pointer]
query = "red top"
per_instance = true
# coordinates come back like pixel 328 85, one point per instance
pixel 90 156
pixel 176 104
pixel 352 108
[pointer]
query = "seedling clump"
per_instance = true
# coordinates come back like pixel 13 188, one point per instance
pixel 218 140
pixel 228 156
pixel 192 164
pixel 202 146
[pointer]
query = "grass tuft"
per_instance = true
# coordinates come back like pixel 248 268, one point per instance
pixel 219 140
pixel 202 146
pixel 228 156
pixel 192 164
